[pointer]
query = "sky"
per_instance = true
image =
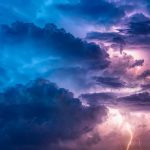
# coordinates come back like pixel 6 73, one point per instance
pixel 75 74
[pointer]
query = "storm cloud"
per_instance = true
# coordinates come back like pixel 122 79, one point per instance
pixel 144 75
pixel 99 11
pixel 39 114
pixel 139 101
pixel 112 82
pixel 96 99
pixel 42 51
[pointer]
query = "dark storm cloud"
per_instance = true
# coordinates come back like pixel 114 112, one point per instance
pixel 112 82
pixel 32 51
pixel 139 62
pixel 115 39
pixel 57 41
pixel 134 33
pixel 141 97
pixel 98 11
pixel 39 114
pixel 144 75
pixel 104 36
pixel 145 86
pixel 96 99
pixel 137 17
pixel 137 101
pixel 138 28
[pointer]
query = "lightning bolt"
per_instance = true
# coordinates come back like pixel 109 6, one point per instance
pixel 129 129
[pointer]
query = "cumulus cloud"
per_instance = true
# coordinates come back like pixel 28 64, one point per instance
pixel 138 25
pixel 131 33
pixel 39 115
pixel 51 37
pixel 41 51
pixel 136 31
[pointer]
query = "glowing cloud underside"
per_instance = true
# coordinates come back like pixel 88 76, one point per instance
pixel 127 125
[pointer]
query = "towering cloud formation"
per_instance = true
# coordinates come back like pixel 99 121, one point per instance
pixel 40 115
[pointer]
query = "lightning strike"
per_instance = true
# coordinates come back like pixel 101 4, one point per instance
pixel 129 129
